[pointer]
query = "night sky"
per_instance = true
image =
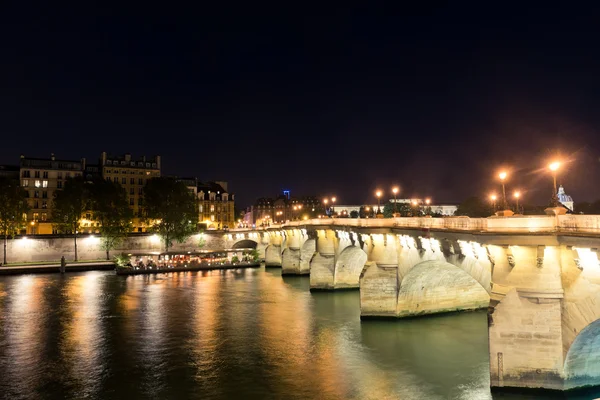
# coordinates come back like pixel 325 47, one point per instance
pixel 340 102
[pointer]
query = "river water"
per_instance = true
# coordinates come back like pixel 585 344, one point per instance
pixel 245 334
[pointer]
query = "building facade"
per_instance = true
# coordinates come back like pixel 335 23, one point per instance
pixel 564 198
pixel 132 175
pixel 9 171
pixel 216 206
pixel 41 178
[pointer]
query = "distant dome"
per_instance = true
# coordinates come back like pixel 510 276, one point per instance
pixel 562 196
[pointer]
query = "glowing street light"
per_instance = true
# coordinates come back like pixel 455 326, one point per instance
pixel 517 194
pixel 554 166
pixel 502 175
pixel 395 191
pixel 427 201
pixel 493 200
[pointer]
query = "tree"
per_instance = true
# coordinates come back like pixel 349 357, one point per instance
pixel 474 207
pixel 404 209
pixel 69 205
pixel 12 207
pixel 353 214
pixel 171 209
pixel 366 212
pixel 110 207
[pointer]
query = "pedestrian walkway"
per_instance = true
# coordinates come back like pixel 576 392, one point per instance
pixel 55 268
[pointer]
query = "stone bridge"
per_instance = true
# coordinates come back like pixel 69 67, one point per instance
pixel 539 278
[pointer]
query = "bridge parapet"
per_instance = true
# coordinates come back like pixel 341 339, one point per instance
pixel 516 224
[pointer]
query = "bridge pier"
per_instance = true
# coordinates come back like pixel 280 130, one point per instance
pixel 322 263
pixel 300 250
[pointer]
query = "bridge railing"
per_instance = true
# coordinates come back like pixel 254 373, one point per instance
pixel 579 223
pixel 518 224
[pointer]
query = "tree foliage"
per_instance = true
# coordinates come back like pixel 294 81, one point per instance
pixel 353 214
pixel 474 207
pixel 404 209
pixel 69 205
pixel 13 205
pixel 110 207
pixel 171 209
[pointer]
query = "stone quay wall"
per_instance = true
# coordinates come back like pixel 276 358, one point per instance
pixel 52 248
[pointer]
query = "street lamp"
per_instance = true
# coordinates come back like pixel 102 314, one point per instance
pixel 554 166
pixel 502 176
pixel 378 194
pixel 517 195
pixel 395 191
pixel 493 200
pixel 333 199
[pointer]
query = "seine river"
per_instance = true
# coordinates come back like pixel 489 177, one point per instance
pixel 247 334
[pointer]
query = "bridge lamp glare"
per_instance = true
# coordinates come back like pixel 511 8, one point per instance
pixel 502 175
pixel 395 190
pixel 427 201
pixel 554 166
pixel 378 193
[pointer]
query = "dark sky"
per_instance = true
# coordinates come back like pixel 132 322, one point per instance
pixel 338 102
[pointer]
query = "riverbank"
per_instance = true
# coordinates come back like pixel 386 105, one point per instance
pixel 55 268
pixel 205 267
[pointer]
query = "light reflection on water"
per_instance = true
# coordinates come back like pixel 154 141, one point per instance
pixel 225 335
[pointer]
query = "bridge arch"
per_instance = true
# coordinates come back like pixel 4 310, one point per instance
pixel 245 244
pixel 582 363
pixel 436 286
pixel 349 266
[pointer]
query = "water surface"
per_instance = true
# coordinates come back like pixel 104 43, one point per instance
pixel 233 334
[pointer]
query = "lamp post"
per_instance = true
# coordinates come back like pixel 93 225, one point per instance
pixel 428 209
pixel 493 200
pixel 333 199
pixel 395 191
pixel 502 176
pixel 554 166
pixel 517 195
pixel 378 194
pixel 325 201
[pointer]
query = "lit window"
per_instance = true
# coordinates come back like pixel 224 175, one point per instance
pixel 44 216
pixel 36 216
pixel 212 217
pixel 45 184
pixel 25 182
pixel 212 208
pixel 37 183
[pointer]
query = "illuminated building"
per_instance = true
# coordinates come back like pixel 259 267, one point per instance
pixel 132 175
pixel 41 178
pixel 215 205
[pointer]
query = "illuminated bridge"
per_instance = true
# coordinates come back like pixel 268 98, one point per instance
pixel 539 277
